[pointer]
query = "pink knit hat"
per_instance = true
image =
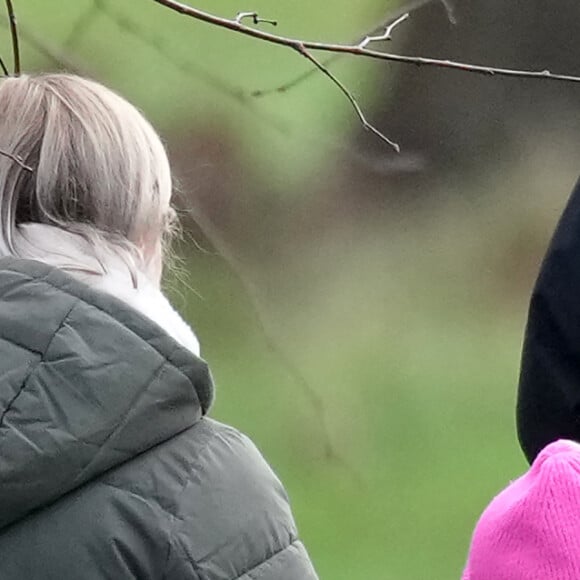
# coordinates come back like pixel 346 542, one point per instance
pixel 531 530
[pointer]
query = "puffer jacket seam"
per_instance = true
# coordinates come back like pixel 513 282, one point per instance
pixel 38 363
pixel 109 315
pixel 154 376
pixel 102 479
pixel 265 562
pixel 22 346
pixel 177 518
pixel 195 565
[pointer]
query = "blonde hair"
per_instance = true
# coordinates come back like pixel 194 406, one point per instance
pixel 96 167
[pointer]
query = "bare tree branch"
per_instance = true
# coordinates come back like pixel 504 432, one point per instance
pixel 355 50
pixel 386 34
pixel 18 160
pixel 194 70
pixel 14 35
pixel 303 47
pixel 236 94
pixel 350 97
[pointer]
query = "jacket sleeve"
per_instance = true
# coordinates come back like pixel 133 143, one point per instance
pixel 234 519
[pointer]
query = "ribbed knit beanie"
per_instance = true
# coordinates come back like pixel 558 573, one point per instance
pixel 531 530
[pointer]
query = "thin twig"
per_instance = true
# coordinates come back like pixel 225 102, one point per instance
pixel 386 34
pixel 407 8
pixel 4 67
pixel 14 35
pixel 18 160
pixel 255 18
pixel 350 97
pixel 355 50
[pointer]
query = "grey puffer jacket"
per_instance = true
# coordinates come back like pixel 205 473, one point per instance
pixel 109 468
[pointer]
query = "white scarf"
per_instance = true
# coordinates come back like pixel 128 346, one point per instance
pixel 106 273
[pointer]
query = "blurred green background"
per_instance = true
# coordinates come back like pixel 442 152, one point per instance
pixel 362 312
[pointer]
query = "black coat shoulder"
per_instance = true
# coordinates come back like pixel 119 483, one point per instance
pixel 548 406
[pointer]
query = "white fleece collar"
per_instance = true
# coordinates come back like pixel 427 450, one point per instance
pixel 108 273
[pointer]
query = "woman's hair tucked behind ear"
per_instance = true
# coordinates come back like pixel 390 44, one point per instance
pixel 99 169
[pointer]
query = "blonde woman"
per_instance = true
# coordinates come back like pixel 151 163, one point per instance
pixel 109 466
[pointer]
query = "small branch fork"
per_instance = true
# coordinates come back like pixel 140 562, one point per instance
pixel 386 35
pixel 367 126
pixel 407 8
pixel 304 47
pixel 255 18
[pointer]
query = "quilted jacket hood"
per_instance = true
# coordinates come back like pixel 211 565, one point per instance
pixel 549 390
pixel 86 384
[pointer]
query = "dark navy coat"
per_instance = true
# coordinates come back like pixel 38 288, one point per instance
pixel 549 390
